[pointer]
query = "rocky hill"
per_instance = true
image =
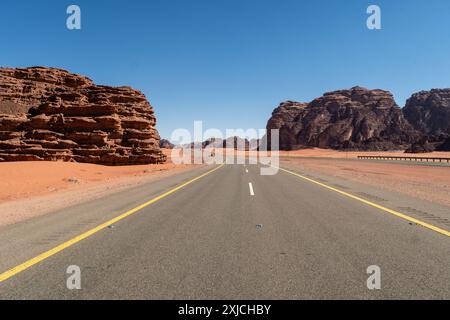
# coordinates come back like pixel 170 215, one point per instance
pixel 287 118
pixel 51 114
pixel 358 118
pixel 429 113
pixel 235 142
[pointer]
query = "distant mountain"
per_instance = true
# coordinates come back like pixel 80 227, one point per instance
pixel 166 144
pixel 236 143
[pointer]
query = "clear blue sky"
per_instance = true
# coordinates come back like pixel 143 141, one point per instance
pixel 230 62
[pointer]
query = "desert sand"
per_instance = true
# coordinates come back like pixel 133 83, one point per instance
pixel 430 183
pixel 20 180
pixel 29 189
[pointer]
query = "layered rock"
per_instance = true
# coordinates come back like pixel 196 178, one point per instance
pixel 51 114
pixel 357 118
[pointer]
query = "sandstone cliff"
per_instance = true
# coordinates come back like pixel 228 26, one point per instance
pixel 429 113
pixel 357 118
pixel 51 114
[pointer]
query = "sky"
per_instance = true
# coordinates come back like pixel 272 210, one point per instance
pixel 229 63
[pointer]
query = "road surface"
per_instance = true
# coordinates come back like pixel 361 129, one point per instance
pixel 229 234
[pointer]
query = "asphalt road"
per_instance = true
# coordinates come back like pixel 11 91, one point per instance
pixel 232 234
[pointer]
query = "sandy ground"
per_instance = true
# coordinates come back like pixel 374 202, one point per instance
pixel 29 189
pixel 431 183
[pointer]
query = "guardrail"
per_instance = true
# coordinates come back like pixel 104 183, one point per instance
pixel 421 159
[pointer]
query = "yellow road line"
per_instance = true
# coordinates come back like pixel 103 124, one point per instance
pixel 12 272
pixel 395 213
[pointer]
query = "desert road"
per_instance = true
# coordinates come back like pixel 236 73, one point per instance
pixel 227 232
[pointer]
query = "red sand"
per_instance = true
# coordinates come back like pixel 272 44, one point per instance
pixel 20 180
pixel 431 183
pixel 29 189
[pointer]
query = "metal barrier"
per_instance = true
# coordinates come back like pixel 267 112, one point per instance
pixel 421 159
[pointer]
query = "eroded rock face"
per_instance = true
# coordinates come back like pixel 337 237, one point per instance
pixel 358 118
pixel 429 111
pixel 51 114
pixel 287 118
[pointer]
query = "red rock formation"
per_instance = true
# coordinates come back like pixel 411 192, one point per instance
pixel 429 113
pixel 358 119
pixel 51 114
pixel 287 119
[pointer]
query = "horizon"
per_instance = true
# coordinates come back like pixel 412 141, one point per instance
pixel 230 64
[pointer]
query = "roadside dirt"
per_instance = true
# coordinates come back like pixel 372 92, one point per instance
pixel 431 183
pixel 29 189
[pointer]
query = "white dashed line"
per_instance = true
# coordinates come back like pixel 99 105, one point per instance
pixel 246 170
pixel 250 186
